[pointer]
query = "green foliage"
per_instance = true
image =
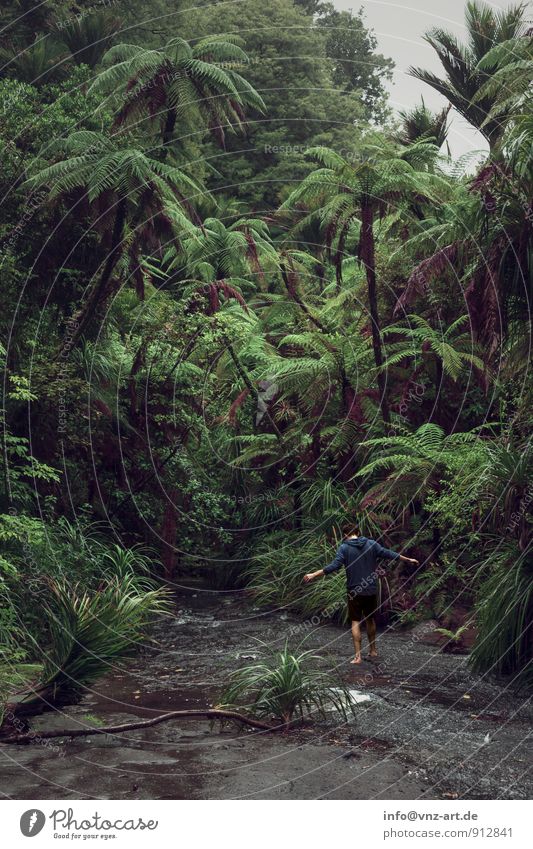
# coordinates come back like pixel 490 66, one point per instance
pixel 196 83
pixel 453 638
pixel 88 36
pixel 99 164
pixel 276 572
pixel 421 124
pixel 91 631
pixel 453 348
pixel 278 564
pixel 504 614
pixel 292 69
pixel 356 67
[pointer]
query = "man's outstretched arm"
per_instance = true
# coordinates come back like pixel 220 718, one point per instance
pixel 387 554
pixel 334 566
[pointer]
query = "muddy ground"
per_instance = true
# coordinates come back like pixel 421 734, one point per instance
pixel 425 726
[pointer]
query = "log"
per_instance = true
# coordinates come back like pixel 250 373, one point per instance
pixel 24 739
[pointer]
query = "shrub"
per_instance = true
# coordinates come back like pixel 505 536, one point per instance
pixel 287 688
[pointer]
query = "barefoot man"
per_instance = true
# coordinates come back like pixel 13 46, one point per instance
pixel 359 557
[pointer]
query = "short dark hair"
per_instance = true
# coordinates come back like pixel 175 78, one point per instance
pixel 349 529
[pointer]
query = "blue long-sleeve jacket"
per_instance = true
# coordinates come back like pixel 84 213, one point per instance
pixel 359 557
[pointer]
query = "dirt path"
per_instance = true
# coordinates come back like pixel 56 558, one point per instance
pixel 425 726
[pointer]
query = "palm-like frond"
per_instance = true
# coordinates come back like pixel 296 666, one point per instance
pixel 384 178
pixel 179 80
pixel 455 350
pixel 510 68
pixel 420 123
pixel 40 63
pixel 98 164
pixel 466 66
pixel 422 453
pixel 504 614
pixel 88 36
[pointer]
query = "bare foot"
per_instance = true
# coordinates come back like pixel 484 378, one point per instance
pixel 373 653
pixel 357 659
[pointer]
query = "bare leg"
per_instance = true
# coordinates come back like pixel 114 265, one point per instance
pixel 371 633
pixel 356 635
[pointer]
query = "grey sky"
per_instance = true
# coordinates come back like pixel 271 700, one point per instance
pixel 399 27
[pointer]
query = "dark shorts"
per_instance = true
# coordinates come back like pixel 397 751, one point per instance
pixel 361 606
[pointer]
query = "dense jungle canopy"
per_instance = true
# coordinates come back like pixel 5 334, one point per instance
pixel 243 302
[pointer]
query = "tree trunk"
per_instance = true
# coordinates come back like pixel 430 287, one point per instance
pixel 81 319
pixel 168 131
pixel 368 256
pixel 168 535
pixel 290 284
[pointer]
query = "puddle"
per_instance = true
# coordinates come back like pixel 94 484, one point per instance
pixel 128 698
pixel 357 697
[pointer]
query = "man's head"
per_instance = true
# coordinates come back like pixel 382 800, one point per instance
pixel 349 529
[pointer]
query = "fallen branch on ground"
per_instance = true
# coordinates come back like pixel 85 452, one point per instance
pixel 37 736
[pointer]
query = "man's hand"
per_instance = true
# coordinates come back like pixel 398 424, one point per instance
pixel 312 575
pixel 410 560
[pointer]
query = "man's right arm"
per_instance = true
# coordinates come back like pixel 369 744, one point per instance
pixel 334 566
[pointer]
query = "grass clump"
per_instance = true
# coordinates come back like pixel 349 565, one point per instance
pixel 288 688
